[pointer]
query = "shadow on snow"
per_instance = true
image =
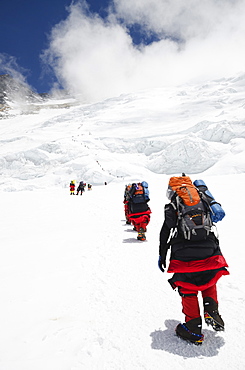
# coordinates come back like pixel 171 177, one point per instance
pixel 166 340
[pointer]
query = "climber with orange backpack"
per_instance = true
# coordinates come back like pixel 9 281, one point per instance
pixel 196 260
pixel 139 211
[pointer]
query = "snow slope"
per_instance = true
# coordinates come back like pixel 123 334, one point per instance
pixel 78 290
pixel 194 129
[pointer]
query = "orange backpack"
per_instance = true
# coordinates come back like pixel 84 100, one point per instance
pixel 185 189
pixel 139 190
pixel 194 222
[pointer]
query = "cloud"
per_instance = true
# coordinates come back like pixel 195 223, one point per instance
pixel 89 54
pixel 96 58
pixel 181 19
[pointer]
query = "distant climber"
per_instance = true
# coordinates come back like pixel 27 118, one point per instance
pixel 72 187
pixel 81 188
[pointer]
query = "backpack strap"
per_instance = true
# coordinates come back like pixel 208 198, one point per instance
pixel 174 230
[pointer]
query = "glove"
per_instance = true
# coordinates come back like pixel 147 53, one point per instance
pixel 160 263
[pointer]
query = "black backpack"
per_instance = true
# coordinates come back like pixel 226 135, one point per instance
pixel 137 193
pixel 194 222
pixel 193 214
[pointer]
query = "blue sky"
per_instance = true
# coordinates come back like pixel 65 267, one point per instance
pixel 96 51
pixel 24 27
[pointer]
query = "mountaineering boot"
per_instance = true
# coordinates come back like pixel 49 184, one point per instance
pixel 191 331
pixel 211 314
pixel 141 234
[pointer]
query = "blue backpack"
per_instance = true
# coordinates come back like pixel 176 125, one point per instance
pixel 146 191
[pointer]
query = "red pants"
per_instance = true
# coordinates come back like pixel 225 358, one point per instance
pixel 190 304
pixel 140 222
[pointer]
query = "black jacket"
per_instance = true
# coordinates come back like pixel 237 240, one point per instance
pixel 182 249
